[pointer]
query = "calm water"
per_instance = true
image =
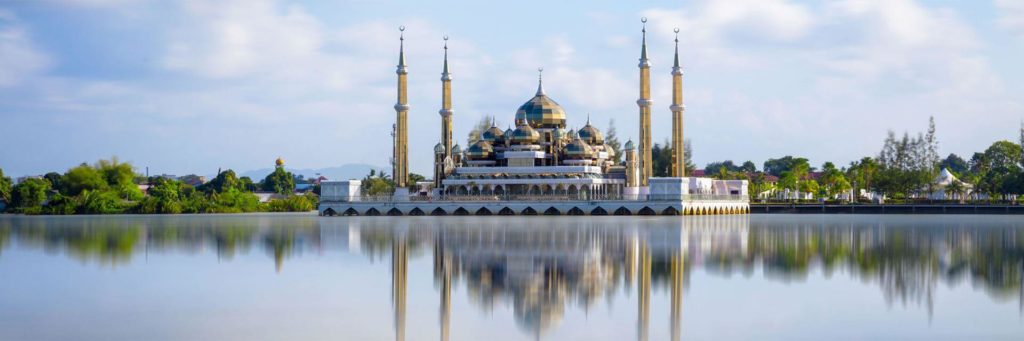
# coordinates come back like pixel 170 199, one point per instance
pixel 278 277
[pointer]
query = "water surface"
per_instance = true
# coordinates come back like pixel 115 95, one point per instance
pixel 287 276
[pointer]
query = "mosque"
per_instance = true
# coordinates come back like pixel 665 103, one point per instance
pixel 540 166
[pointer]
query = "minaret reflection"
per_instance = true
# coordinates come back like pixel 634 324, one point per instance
pixel 676 287
pixel 399 269
pixel 643 292
pixel 443 275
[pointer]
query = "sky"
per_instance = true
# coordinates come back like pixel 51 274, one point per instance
pixel 194 86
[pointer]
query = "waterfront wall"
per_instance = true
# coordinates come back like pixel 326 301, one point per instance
pixel 537 207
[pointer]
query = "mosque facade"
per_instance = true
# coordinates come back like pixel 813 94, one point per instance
pixel 540 165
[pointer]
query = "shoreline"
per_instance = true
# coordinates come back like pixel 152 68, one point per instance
pixel 886 209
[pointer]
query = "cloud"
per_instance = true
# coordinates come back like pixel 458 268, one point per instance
pixel 19 57
pixel 1011 15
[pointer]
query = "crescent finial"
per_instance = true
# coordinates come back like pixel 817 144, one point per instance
pixel 401 35
pixel 676 30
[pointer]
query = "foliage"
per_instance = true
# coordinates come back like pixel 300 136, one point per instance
pixel 294 203
pixel 832 181
pixel 30 193
pixel 82 178
pixel 279 181
pixel 784 164
pixel 5 187
pixel 413 179
pixel 377 183
pixel 226 180
pixel 955 164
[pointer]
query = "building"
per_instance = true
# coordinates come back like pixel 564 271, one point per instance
pixel 541 159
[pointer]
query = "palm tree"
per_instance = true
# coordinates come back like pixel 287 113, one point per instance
pixel 956 190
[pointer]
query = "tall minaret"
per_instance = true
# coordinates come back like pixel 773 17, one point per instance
pixel 644 102
pixel 446 104
pixel 400 173
pixel 677 107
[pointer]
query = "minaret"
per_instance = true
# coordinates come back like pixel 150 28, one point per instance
pixel 446 104
pixel 677 107
pixel 632 171
pixel 400 173
pixel 646 164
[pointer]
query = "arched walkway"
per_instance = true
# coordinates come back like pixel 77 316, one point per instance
pixel 438 211
pixel 506 211
pixel 329 212
pixel 670 211
pixel 483 211
pixel 351 211
pixel 372 212
pixel 461 211
pixel 529 211
pixel 552 211
pixel 416 212
pixel 646 211
pixel 598 211
pixel 394 212
pixel 623 211
pixel 576 211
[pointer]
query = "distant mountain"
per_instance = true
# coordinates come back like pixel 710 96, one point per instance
pixel 343 172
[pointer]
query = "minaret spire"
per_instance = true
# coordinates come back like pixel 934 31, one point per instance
pixel 446 115
pixel 644 102
pixel 400 173
pixel 540 81
pixel 678 148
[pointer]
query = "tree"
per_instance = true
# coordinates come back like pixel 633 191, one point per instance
pixel 56 180
pixel 413 179
pixel 82 178
pixel 781 165
pixel 30 194
pixel 246 184
pixel 718 167
pixel 5 187
pixel 955 164
pixel 688 156
pixel 224 181
pixel 998 167
pixel 661 159
pixel 833 182
pixel 279 181
pixel 611 139
pixel 377 184
pixel 748 167
pixel 474 134
pixel 862 173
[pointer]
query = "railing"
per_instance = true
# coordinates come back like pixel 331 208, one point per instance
pixel 555 197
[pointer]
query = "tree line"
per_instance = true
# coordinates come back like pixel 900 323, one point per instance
pixel 113 187
pixel 905 169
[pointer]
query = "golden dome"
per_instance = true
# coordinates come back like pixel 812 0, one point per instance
pixel 279 162
pixel 481 150
pixel 590 134
pixel 524 134
pixel 494 134
pixel 578 149
pixel 541 112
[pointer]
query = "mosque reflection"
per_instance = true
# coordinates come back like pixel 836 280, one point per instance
pixel 542 267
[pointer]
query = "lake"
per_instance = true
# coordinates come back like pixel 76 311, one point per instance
pixel 304 277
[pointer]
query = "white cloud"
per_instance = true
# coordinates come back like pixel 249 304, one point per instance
pixel 1011 15
pixel 19 57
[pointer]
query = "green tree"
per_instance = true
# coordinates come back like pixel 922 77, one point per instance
pixel 833 181
pixel 30 194
pixel 279 181
pixel 82 178
pixel 5 187
pixel 786 163
pixel 413 179
pixel 246 184
pixel 224 181
pixel 56 180
pixel 999 166
pixel 955 164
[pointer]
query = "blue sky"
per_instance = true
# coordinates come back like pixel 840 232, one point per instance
pixel 193 86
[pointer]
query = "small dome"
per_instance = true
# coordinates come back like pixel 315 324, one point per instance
pixel 481 150
pixel 524 134
pixel 591 135
pixel 494 134
pixel 629 145
pixel 608 149
pixel 578 149
pixel 279 162
pixel 456 149
pixel 439 149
